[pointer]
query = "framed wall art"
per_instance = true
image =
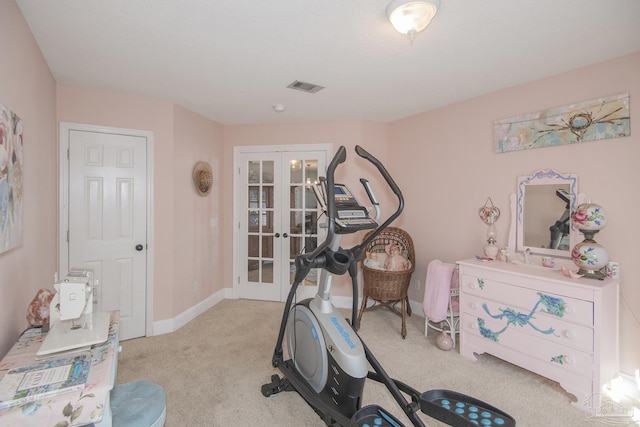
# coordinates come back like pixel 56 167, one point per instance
pixel 11 168
pixel 601 118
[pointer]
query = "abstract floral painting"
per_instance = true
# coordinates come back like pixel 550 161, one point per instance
pixel 587 121
pixel 11 164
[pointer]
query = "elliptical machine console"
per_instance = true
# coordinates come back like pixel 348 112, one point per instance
pixel 350 215
pixel 328 362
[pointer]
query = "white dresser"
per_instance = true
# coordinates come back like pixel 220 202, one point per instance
pixel 534 317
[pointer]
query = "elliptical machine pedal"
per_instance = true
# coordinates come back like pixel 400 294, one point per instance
pixel 374 416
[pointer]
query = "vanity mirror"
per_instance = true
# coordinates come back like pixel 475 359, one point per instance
pixel 540 214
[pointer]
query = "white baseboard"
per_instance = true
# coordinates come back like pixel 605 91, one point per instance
pixel 170 325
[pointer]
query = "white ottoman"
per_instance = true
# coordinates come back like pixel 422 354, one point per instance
pixel 138 404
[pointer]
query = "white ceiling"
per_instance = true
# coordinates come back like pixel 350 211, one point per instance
pixel 231 60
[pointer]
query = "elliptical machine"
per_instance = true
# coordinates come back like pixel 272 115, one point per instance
pixel 328 362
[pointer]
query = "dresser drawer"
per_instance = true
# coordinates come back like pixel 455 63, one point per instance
pixel 566 308
pixel 551 353
pixel 538 324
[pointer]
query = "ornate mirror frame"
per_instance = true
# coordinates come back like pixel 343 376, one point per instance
pixel 552 180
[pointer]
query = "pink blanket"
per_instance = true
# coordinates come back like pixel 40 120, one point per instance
pixel 437 290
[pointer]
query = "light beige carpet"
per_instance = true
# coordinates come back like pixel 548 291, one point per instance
pixel 213 368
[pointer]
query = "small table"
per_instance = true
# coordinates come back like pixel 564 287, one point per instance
pixel 77 408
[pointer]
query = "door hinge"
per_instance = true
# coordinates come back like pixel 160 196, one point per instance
pixel 67 236
pixel 68 155
pixel 238 280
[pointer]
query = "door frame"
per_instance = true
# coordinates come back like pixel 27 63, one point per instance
pixel 248 149
pixel 63 203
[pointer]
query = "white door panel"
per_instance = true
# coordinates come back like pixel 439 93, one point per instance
pixel 108 221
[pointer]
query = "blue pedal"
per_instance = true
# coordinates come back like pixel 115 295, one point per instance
pixel 374 416
pixel 460 410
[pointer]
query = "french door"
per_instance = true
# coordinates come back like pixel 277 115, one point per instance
pixel 277 215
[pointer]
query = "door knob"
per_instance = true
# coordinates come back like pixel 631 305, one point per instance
pixel 139 247
pixel 285 235
pixel 277 234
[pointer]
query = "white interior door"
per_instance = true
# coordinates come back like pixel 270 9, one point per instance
pixel 107 221
pixel 277 220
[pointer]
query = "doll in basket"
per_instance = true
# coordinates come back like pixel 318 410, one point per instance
pixel 395 261
pixel 373 261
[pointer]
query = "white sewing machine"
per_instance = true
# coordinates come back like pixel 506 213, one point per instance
pixel 72 322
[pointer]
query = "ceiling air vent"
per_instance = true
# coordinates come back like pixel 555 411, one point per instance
pixel 305 87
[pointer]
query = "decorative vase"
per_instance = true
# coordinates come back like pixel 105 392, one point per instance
pixel 589 255
pixel 589 216
pixel 491 250
pixel 444 341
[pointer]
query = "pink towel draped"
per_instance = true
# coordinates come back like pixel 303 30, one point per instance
pixel 437 290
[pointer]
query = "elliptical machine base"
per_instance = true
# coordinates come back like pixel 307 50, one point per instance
pixel 327 354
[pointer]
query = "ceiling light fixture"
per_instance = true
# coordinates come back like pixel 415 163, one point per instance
pixel 409 17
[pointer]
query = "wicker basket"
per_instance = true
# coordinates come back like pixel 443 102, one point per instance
pixel 387 288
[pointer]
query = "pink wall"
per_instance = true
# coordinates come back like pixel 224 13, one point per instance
pixel 443 161
pixel 101 108
pixel 197 245
pixel 446 164
pixel 29 90
pixel 181 216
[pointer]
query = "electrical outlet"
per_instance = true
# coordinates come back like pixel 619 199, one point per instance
pixel 195 286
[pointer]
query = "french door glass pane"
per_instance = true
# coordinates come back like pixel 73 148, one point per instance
pixel 267 171
pixel 295 223
pixel 267 272
pixel 253 172
pixel 310 201
pixel 295 171
pixel 254 246
pixel 311 171
pixel 260 216
pixel 253 271
pixel 267 247
pixel 303 213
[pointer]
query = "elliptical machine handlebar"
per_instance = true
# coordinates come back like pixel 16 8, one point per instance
pixel 340 157
pixel 366 155
pixel 392 184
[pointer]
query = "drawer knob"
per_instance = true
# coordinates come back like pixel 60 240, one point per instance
pixel 474 305
pixel 570 360
pixel 569 334
pixel 569 309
